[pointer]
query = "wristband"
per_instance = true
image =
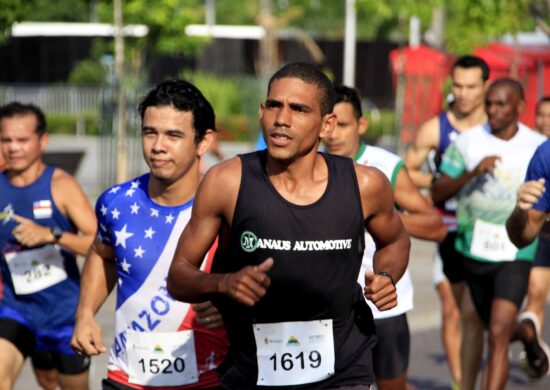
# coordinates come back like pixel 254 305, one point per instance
pixel 387 274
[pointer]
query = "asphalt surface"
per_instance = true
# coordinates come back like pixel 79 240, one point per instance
pixel 428 368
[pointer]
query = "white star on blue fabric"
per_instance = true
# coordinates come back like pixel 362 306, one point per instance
pixel 169 218
pixel 103 209
pixel 149 232
pixel 122 236
pixel 125 266
pixel 129 192
pixel 154 213
pixel 135 184
pixel 135 208
pixel 138 252
pixel 115 213
pixel 114 190
pixel 103 227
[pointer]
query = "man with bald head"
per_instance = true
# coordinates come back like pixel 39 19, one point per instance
pixel 484 168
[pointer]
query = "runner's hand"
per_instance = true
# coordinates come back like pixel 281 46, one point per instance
pixel 486 165
pixel 248 285
pixel 29 233
pixel 380 290
pixel 208 316
pixel 86 338
pixel 529 193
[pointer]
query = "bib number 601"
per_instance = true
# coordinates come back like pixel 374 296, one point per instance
pixel 287 360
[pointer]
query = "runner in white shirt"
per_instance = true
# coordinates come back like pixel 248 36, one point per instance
pixel 391 354
pixel 485 169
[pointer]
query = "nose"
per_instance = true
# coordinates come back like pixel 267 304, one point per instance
pixel 158 144
pixel 283 117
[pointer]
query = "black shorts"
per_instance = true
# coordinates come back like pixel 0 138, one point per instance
pixel 453 261
pixel 489 281
pixel 391 353
pixel 24 340
pixel 542 257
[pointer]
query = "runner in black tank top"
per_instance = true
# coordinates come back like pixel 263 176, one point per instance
pixel 290 223
pixel 316 262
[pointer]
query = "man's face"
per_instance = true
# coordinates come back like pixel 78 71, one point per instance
pixel 291 119
pixel 345 138
pixel 543 118
pixel 503 107
pixel 21 145
pixel 168 141
pixel 468 89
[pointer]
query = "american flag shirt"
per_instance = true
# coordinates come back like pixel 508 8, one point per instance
pixel 144 236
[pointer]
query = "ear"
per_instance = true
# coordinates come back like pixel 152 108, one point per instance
pixel 205 142
pixel 363 125
pixel 261 113
pixel 44 139
pixel 327 126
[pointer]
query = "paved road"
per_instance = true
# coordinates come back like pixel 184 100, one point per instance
pixel 428 369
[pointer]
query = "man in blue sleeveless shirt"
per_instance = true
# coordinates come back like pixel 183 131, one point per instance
pixel 43 210
pixel 291 222
pixel 469 76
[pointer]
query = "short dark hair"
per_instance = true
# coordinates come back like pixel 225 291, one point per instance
pixel 183 96
pixel 468 62
pixel 544 99
pixel 19 109
pixel 351 96
pixel 511 83
pixel 312 75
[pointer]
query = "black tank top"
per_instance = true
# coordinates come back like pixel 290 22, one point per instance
pixel 317 251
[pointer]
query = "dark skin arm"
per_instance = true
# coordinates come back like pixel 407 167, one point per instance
pixel 525 223
pixel 391 239
pixel 211 209
pixel 445 187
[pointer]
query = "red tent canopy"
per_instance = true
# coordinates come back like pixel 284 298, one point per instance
pixel 423 71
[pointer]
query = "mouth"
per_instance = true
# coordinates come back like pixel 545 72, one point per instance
pixel 159 163
pixel 280 138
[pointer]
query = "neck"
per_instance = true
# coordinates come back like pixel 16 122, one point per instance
pixel 471 119
pixel 507 132
pixel 358 151
pixel 174 193
pixel 27 176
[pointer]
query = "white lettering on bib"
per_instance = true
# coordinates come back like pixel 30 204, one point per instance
pixel 491 242
pixel 36 269
pixel 294 353
pixel 161 359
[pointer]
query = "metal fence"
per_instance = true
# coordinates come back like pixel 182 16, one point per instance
pixel 78 102
pixel 56 99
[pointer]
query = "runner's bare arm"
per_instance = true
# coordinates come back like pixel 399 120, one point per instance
pixel 445 187
pixel 74 203
pixel 525 223
pixel 427 139
pixel 213 206
pixel 391 239
pixel 419 217
pixel 71 201
pixel 97 281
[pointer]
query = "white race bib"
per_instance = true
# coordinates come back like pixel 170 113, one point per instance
pixel 161 359
pixel 491 242
pixel 36 269
pixel 294 353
